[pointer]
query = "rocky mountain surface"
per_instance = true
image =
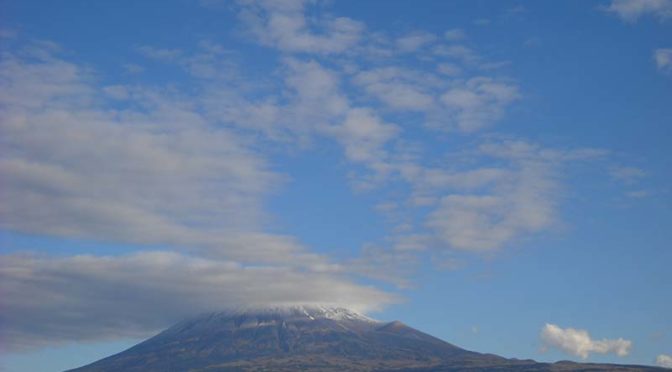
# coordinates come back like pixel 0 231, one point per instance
pixel 310 338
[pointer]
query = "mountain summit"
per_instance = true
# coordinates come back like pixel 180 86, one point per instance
pixel 307 338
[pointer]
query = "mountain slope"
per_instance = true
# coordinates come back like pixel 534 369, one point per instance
pixel 306 338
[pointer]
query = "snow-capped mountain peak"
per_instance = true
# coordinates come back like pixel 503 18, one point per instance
pixel 311 312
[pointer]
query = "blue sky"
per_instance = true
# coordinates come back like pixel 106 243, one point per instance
pixel 495 173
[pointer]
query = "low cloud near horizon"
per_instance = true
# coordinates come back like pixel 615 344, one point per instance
pixel 578 342
pixel 664 360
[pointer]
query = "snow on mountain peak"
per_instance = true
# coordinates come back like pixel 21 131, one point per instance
pixel 309 311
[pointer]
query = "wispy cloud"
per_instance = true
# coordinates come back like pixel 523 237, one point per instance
pixel 161 54
pixel 398 88
pixel 456 34
pixel 478 102
pixel 210 61
pixel 159 174
pixel 632 10
pixel 414 41
pixel 627 174
pixel 663 59
pixel 486 208
pixel 282 24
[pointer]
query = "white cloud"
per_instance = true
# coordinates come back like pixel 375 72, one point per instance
pixel 313 107
pixel 414 41
pixel 486 207
pixel 447 99
pixel 390 265
pixel 160 173
pixel 363 136
pixel 664 361
pixel 449 69
pixel 482 21
pixel 578 342
pixel 398 88
pixel 470 179
pixel 311 100
pixel 638 194
pixel 478 102
pixel 209 61
pixel 133 68
pixel 632 10
pixel 481 199
pixel 165 172
pixel 630 176
pixel 522 203
pixel 455 34
pixel 7 33
pixel 627 174
pixel 51 300
pixel 161 54
pixel 157 153
pixel 468 105
pixel 663 58
pixel 282 24
pixel 317 98
pixel 459 52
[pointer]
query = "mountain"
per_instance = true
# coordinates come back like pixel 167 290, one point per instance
pixel 309 338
